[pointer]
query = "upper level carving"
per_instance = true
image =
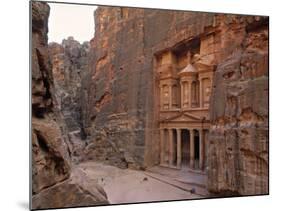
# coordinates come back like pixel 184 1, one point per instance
pixel 185 78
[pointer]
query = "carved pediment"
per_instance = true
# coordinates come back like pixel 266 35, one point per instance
pixel 183 117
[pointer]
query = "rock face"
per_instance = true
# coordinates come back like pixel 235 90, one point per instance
pixel 70 67
pixel 52 175
pixel 123 120
pixel 50 159
pixel 123 90
pixel 238 148
pixel 100 101
pixel 78 190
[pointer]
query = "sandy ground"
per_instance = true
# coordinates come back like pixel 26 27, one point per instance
pixel 155 184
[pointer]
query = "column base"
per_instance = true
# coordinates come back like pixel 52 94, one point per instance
pixel 192 165
pixel 169 166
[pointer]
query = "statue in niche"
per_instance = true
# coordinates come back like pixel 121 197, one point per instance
pixel 208 94
pixel 174 96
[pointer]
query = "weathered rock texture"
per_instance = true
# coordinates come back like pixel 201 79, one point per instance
pixel 78 190
pixel 123 91
pixel 123 106
pixel 113 101
pixel 238 150
pixel 50 159
pixel 53 182
pixel 70 67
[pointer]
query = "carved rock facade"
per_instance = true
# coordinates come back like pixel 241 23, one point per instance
pixel 186 74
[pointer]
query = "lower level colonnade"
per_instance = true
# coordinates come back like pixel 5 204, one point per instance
pixel 182 147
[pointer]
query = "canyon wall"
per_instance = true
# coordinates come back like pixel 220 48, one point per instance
pixel 100 100
pixel 123 93
pixel 123 112
pixel 238 141
pixel 70 70
pixel 55 181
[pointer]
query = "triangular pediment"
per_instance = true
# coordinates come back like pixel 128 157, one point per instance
pixel 182 117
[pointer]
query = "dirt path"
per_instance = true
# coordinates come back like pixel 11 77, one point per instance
pixel 129 186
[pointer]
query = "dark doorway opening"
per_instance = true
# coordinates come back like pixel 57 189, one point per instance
pixel 185 147
pixel 174 146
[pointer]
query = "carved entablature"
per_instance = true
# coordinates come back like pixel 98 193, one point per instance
pixel 185 77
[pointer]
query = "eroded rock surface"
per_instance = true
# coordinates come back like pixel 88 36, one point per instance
pixel 50 159
pixel 238 148
pixel 107 93
pixel 123 113
pixel 69 65
pixel 54 184
pixel 78 190
pixel 122 93
pixel 70 68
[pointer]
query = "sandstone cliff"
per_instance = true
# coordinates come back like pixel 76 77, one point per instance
pixel 55 182
pixel 123 115
pixel 99 101
pixel 238 140
pixel 123 90
pixel 70 68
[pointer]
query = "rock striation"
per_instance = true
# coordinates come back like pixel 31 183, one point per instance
pixel 54 182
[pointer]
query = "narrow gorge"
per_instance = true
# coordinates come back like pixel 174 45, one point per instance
pixel 160 99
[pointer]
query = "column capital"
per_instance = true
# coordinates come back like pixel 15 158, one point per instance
pixel 201 78
pixel 191 130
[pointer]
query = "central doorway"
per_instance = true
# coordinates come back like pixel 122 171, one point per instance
pixel 185 148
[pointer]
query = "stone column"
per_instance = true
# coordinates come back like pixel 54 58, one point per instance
pixel 171 148
pixel 200 93
pixel 190 93
pixel 162 146
pixel 181 95
pixel 178 148
pixel 170 96
pixel 191 132
pixel 201 149
pixel 161 97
